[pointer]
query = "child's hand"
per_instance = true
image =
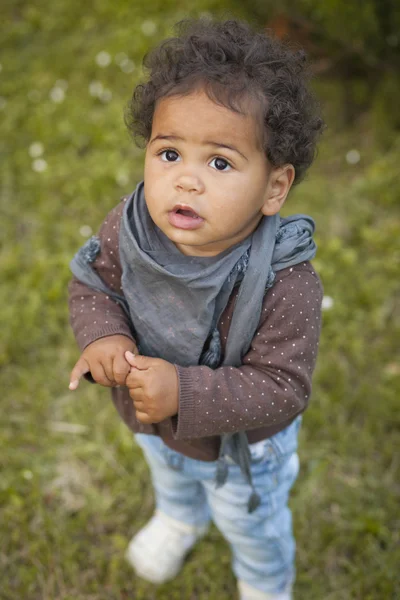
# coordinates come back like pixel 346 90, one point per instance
pixel 105 360
pixel 153 387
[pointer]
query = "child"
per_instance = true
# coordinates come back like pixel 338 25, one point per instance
pixel 198 305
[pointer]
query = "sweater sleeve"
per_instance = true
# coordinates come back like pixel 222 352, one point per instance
pixel 274 382
pixel 94 315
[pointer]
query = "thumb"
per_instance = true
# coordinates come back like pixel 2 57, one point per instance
pixel 138 361
pixel 77 372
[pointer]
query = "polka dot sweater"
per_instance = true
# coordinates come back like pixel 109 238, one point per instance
pixel 262 396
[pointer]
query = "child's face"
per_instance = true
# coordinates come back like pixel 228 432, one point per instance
pixel 205 160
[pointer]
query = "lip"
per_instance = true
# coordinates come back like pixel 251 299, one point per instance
pixel 180 221
pixel 184 207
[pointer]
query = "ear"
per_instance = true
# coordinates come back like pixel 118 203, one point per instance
pixel 279 183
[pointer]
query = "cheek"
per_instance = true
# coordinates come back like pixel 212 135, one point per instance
pixel 150 192
pixel 156 174
pixel 152 180
pixel 228 194
pixel 152 163
pixel 148 168
pixel 228 211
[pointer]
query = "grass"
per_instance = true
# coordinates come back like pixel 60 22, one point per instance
pixel 73 487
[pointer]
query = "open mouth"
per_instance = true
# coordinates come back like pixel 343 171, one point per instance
pixel 186 213
pixel 184 217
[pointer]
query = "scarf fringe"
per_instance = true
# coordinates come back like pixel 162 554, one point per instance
pixel 212 356
pixel 90 250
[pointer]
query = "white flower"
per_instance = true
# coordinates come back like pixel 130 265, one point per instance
pixel 36 149
pixel 62 83
pixel 122 178
pixel 95 88
pixel 149 27
pixel 353 157
pixel 39 165
pixel 57 94
pixel 105 96
pixel 103 59
pixel 327 303
pixel 120 57
pixel 27 474
pixel 85 231
pixel 127 65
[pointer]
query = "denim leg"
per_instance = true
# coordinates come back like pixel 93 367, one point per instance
pixel 178 494
pixel 262 542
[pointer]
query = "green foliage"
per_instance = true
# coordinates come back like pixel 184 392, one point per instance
pixel 73 487
pixel 368 29
pixel 357 43
pixel 385 111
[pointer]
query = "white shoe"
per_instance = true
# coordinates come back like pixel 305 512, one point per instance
pixel 247 592
pixel 158 550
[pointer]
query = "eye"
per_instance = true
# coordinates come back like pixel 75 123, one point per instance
pixel 169 155
pixel 220 164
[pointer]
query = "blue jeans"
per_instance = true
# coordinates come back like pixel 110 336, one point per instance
pixel 262 542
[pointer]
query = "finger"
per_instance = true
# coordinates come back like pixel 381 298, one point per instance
pixel 133 380
pixel 139 361
pixel 107 364
pixel 136 396
pixel 143 418
pixel 139 406
pixel 130 357
pixel 99 375
pixel 121 369
pixel 80 369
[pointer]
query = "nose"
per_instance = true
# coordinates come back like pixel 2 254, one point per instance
pixel 189 182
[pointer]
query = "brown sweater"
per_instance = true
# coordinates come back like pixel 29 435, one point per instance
pixel 262 396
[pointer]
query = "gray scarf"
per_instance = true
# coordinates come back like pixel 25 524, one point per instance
pixel 174 302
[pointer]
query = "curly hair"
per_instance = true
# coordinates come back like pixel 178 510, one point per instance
pixel 235 64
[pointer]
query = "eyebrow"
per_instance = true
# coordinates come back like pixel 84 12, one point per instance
pixel 207 142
